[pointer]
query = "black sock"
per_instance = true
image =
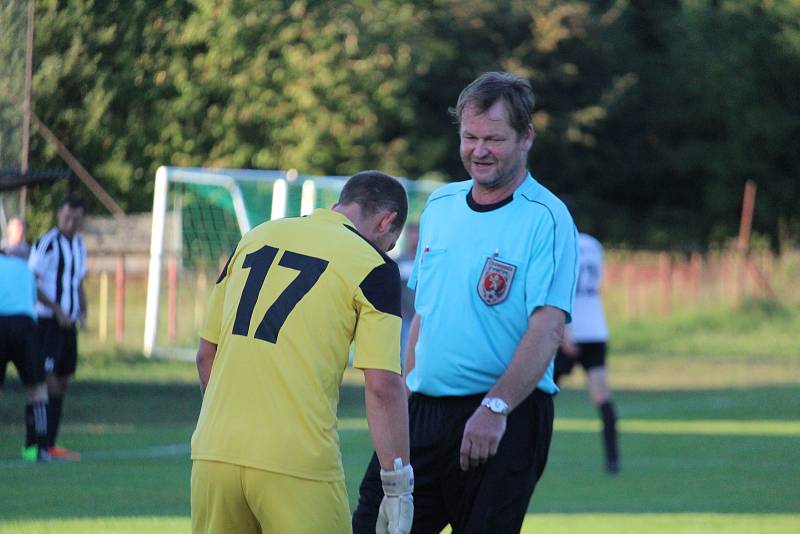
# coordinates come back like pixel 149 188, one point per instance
pixel 53 420
pixel 30 426
pixel 609 431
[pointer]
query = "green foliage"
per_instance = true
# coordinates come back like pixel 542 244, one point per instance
pixel 651 114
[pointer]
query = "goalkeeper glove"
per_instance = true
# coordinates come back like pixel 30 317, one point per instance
pixel 397 507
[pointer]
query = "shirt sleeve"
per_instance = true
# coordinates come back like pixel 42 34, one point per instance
pixel 553 266
pixel 211 330
pixel 377 336
pixel 82 248
pixel 561 293
pixel 37 261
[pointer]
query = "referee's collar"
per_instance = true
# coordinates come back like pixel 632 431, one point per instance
pixel 524 186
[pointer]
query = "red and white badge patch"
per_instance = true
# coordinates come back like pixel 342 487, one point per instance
pixel 495 282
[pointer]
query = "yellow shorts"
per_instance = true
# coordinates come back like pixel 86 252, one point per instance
pixel 230 498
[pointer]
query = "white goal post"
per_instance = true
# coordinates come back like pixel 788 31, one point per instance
pixel 199 215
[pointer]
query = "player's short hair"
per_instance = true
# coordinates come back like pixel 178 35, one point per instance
pixel 73 201
pixel 375 191
pixel 488 88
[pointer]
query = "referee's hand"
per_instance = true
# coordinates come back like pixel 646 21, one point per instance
pixel 482 435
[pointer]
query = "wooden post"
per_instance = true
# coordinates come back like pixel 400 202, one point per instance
pixel 119 299
pixel 172 299
pixel 743 241
pixel 26 107
pixel 102 308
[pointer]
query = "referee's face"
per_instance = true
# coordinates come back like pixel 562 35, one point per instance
pixel 69 220
pixel 493 153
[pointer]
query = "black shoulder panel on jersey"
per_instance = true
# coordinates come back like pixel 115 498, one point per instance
pixel 225 269
pixel 381 287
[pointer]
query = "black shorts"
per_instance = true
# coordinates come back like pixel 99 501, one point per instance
pixel 490 499
pixel 590 355
pixel 59 347
pixel 18 345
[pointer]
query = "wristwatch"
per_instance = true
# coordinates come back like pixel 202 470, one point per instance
pixel 496 405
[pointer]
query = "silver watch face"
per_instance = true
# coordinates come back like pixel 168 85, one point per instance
pixel 496 405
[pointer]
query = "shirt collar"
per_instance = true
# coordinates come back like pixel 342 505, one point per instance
pixel 328 215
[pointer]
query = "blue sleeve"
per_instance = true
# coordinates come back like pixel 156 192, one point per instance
pixel 565 275
pixel 553 264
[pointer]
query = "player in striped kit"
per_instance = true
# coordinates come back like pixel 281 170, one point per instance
pixel 58 259
pixel 585 341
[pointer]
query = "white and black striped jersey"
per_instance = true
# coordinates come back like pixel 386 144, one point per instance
pixel 59 264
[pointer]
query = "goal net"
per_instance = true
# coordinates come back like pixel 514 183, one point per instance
pixel 199 215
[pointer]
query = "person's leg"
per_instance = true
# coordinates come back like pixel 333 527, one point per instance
pixel 563 365
pixel 25 355
pixel 217 500
pixel 36 426
pixel 600 394
pixel 370 494
pixel 495 496
pixel 58 382
pixel 427 428
pixel 56 389
pixel 283 503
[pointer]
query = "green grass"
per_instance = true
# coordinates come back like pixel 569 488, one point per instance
pixel 709 443
pixel 759 329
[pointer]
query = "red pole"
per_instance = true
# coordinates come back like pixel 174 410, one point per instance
pixel 665 276
pixel 696 275
pixel 119 299
pixel 172 299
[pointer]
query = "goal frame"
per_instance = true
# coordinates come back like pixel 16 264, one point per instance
pixel 230 180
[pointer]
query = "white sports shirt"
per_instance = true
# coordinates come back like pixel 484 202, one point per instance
pixel 588 320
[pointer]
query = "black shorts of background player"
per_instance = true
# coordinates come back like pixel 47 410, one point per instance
pixel 592 356
pixel 18 346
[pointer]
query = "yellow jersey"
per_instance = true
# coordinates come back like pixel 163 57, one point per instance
pixel 293 297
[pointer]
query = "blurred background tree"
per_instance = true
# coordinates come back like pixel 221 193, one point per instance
pixel 651 114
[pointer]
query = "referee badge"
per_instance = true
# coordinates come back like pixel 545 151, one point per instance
pixel 495 282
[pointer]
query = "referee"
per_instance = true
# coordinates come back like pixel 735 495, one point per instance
pixel 58 259
pixel 18 345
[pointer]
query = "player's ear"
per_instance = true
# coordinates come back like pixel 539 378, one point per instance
pixel 385 221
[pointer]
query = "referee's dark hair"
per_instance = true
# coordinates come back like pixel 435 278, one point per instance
pixel 73 201
pixel 490 87
pixel 375 191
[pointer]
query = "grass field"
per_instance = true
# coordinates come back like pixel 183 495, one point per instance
pixel 710 443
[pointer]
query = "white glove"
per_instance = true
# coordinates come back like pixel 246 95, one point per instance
pixel 397 507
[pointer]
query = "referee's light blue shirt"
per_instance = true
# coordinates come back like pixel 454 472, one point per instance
pixel 465 344
pixel 17 287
